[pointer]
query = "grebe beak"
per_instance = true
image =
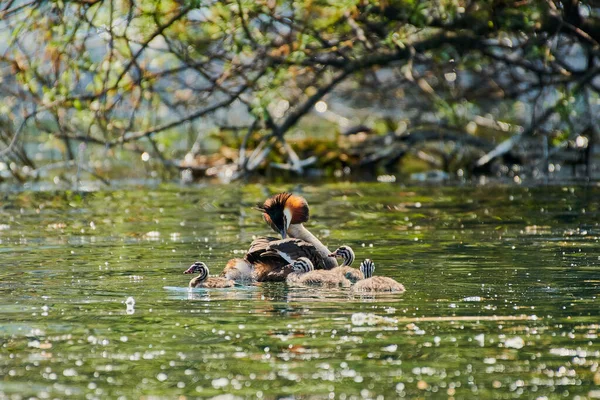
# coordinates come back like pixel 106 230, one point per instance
pixel 189 270
pixel 283 233
pixel 332 255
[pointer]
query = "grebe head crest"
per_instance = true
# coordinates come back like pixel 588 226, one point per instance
pixel 283 209
pixel 346 253
pixel 198 268
pixel 367 267
pixel 302 265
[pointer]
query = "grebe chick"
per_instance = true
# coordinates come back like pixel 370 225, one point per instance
pixel 238 270
pixel 375 283
pixel 267 269
pixel 203 280
pixel 347 255
pixel 304 273
pixel 299 267
pixel 285 213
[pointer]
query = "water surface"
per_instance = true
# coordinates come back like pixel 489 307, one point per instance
pixel 501 300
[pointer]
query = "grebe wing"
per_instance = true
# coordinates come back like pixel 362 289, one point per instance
pixel 291 249
pixel 258 247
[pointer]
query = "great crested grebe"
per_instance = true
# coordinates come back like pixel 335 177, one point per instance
pixel 203 280
pixel 375 283
pixel 304 273
pixel 285 213
pixel 269 259
pixel 347 255
pixel 265 264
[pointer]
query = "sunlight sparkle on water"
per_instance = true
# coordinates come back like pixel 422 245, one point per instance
pixel 485 258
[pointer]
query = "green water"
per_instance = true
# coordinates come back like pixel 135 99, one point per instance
pixel 501 302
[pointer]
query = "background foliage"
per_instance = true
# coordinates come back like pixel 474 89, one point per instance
pixel 223 87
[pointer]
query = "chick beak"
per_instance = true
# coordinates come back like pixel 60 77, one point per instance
pixel 188 271
pixel 332 255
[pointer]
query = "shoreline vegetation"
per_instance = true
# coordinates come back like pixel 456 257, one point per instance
pixel 426 155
